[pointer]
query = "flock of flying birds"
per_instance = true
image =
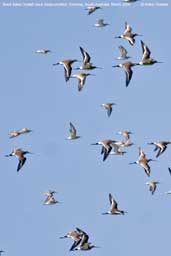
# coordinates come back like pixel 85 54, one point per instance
pixel 108 146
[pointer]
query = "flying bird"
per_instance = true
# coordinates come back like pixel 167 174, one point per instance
pixel 50 200
pixel 81 79
pixel 146 59
pixel 67 67
pixel 14 134
pixel 127 67
pixel 114 207
pixel 117 150
pixel 108 107
pixel 128 34
pixel 106 147
pixel 161 146
pixel 73 132
pixel 92 9
pixel 124 53
pixel 84 244
pixel 87 65
pixel 152 186
pixel 125 133
pixel 74 235
pixel 43 51
pixel 143 162
pixel 20 154
pixel 100 23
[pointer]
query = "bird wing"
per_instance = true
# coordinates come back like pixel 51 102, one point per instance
pixel 46 200
pixel 109 110
pixel 100 21
pixel 128 76
pixel 102 150
pixel 91 9
pixel 152 187
pixel 21 163
pixel 75 244
pixel 130 38
pixel 112 201
pixel 81 82
pixel 169 169
pixel 145 50
pixel 116 147
pixel 161 150
pixel 86 56
pixel 106 152
pixel 127 28
pixel 156 147
pixel 72 130
pixel 141 154
pixel 85 236
pixel 123 51
pixel 146 168
pixel 67 69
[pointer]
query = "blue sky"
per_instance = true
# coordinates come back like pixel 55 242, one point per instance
pixel 34 94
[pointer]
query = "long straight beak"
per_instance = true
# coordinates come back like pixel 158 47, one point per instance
pixel 133 163
pixel 63 237
pixel 76 68
pixel 94 144
pixel 30 153
pixel 116 66
pixel 104 213
pixel 8 155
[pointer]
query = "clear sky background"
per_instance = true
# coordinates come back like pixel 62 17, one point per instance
pixel 34 94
